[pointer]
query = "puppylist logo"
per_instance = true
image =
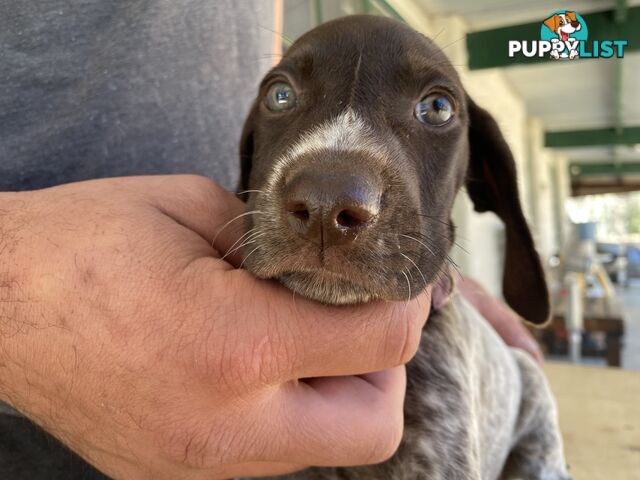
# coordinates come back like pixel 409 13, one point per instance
pixel 564 35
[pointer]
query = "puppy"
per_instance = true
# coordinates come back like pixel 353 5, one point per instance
pixel 564 25
pixel 354 150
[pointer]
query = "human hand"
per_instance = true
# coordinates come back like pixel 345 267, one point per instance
pixel 504 320
pixel 125 335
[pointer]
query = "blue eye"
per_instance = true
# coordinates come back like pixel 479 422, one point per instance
pixel 280 97
pixel 434 109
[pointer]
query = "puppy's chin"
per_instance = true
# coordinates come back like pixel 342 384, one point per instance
pixel 327 287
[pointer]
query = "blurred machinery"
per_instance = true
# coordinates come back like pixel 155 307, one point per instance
pixel 587 318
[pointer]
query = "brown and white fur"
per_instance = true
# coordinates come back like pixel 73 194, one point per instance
pixel 355 196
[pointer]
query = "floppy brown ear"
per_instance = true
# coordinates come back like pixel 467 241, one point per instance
pixel 492 186
pixel 571 15
pixel 552 23
pixel 246 153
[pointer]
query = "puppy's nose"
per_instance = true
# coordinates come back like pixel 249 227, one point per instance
pixel 575 24
pixel 330 209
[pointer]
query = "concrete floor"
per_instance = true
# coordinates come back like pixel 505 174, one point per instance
pixel 630 297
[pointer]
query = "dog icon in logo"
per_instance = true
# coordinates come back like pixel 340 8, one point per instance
pixel 564 25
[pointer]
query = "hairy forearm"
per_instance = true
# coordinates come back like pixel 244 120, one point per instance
pixel 21 328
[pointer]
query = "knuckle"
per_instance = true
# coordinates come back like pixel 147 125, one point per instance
pixel 198 181
pixel 285 345
pixel 271 349
pixel 200 185
pixel 199 193
pixel 218 357
pixel 236 354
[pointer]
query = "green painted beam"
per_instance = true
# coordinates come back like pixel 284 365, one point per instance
pixel 317 12
pixel 621 11
pixel 620 17
pixel 604 169
pixel 488 48
pixel 618 101
pixel 578 190
pixel 589 138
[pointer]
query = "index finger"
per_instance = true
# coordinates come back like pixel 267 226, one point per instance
pixel 303 339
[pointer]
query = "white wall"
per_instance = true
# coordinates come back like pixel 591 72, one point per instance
pixel 541 193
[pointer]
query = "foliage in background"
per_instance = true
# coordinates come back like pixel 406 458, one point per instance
pixel 618 215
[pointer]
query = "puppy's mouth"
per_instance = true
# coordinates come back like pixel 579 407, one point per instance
pixel 327 287
pixel 388 262
pixel 355 273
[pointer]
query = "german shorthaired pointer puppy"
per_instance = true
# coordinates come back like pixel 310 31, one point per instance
pixel 354 152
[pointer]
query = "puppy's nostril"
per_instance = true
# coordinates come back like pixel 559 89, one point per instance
pixel 299 211
pixel 352 218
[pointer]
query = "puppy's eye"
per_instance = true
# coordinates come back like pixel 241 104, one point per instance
pixel 280 97
pixel 434 109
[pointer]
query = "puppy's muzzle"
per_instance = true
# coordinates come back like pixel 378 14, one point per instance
pixel 331 209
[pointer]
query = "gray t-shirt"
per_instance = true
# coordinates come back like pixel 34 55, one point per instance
pixel 101 88
pixel 98 88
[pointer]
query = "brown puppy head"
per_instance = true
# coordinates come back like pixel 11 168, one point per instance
pixel 352 156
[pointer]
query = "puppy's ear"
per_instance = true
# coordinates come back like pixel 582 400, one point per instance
pixel 552 23
pixel 492 186
pixel 571 16
pixel 246 152
pixel 442 288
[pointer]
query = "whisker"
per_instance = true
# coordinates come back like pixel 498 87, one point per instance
pixel 241 246
pixel 437 219
pixel 409 286
pixel 287 40
pixel 452 43
pixel 231 221
pixel 249 191
pixel 456 267
pixel 421 243
pixel 245 258
pixel 441 271
pixel 247 241
pixel 419 271
pixel 241 239
pixel 433 39
pixel 295 305
pixel 427 238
